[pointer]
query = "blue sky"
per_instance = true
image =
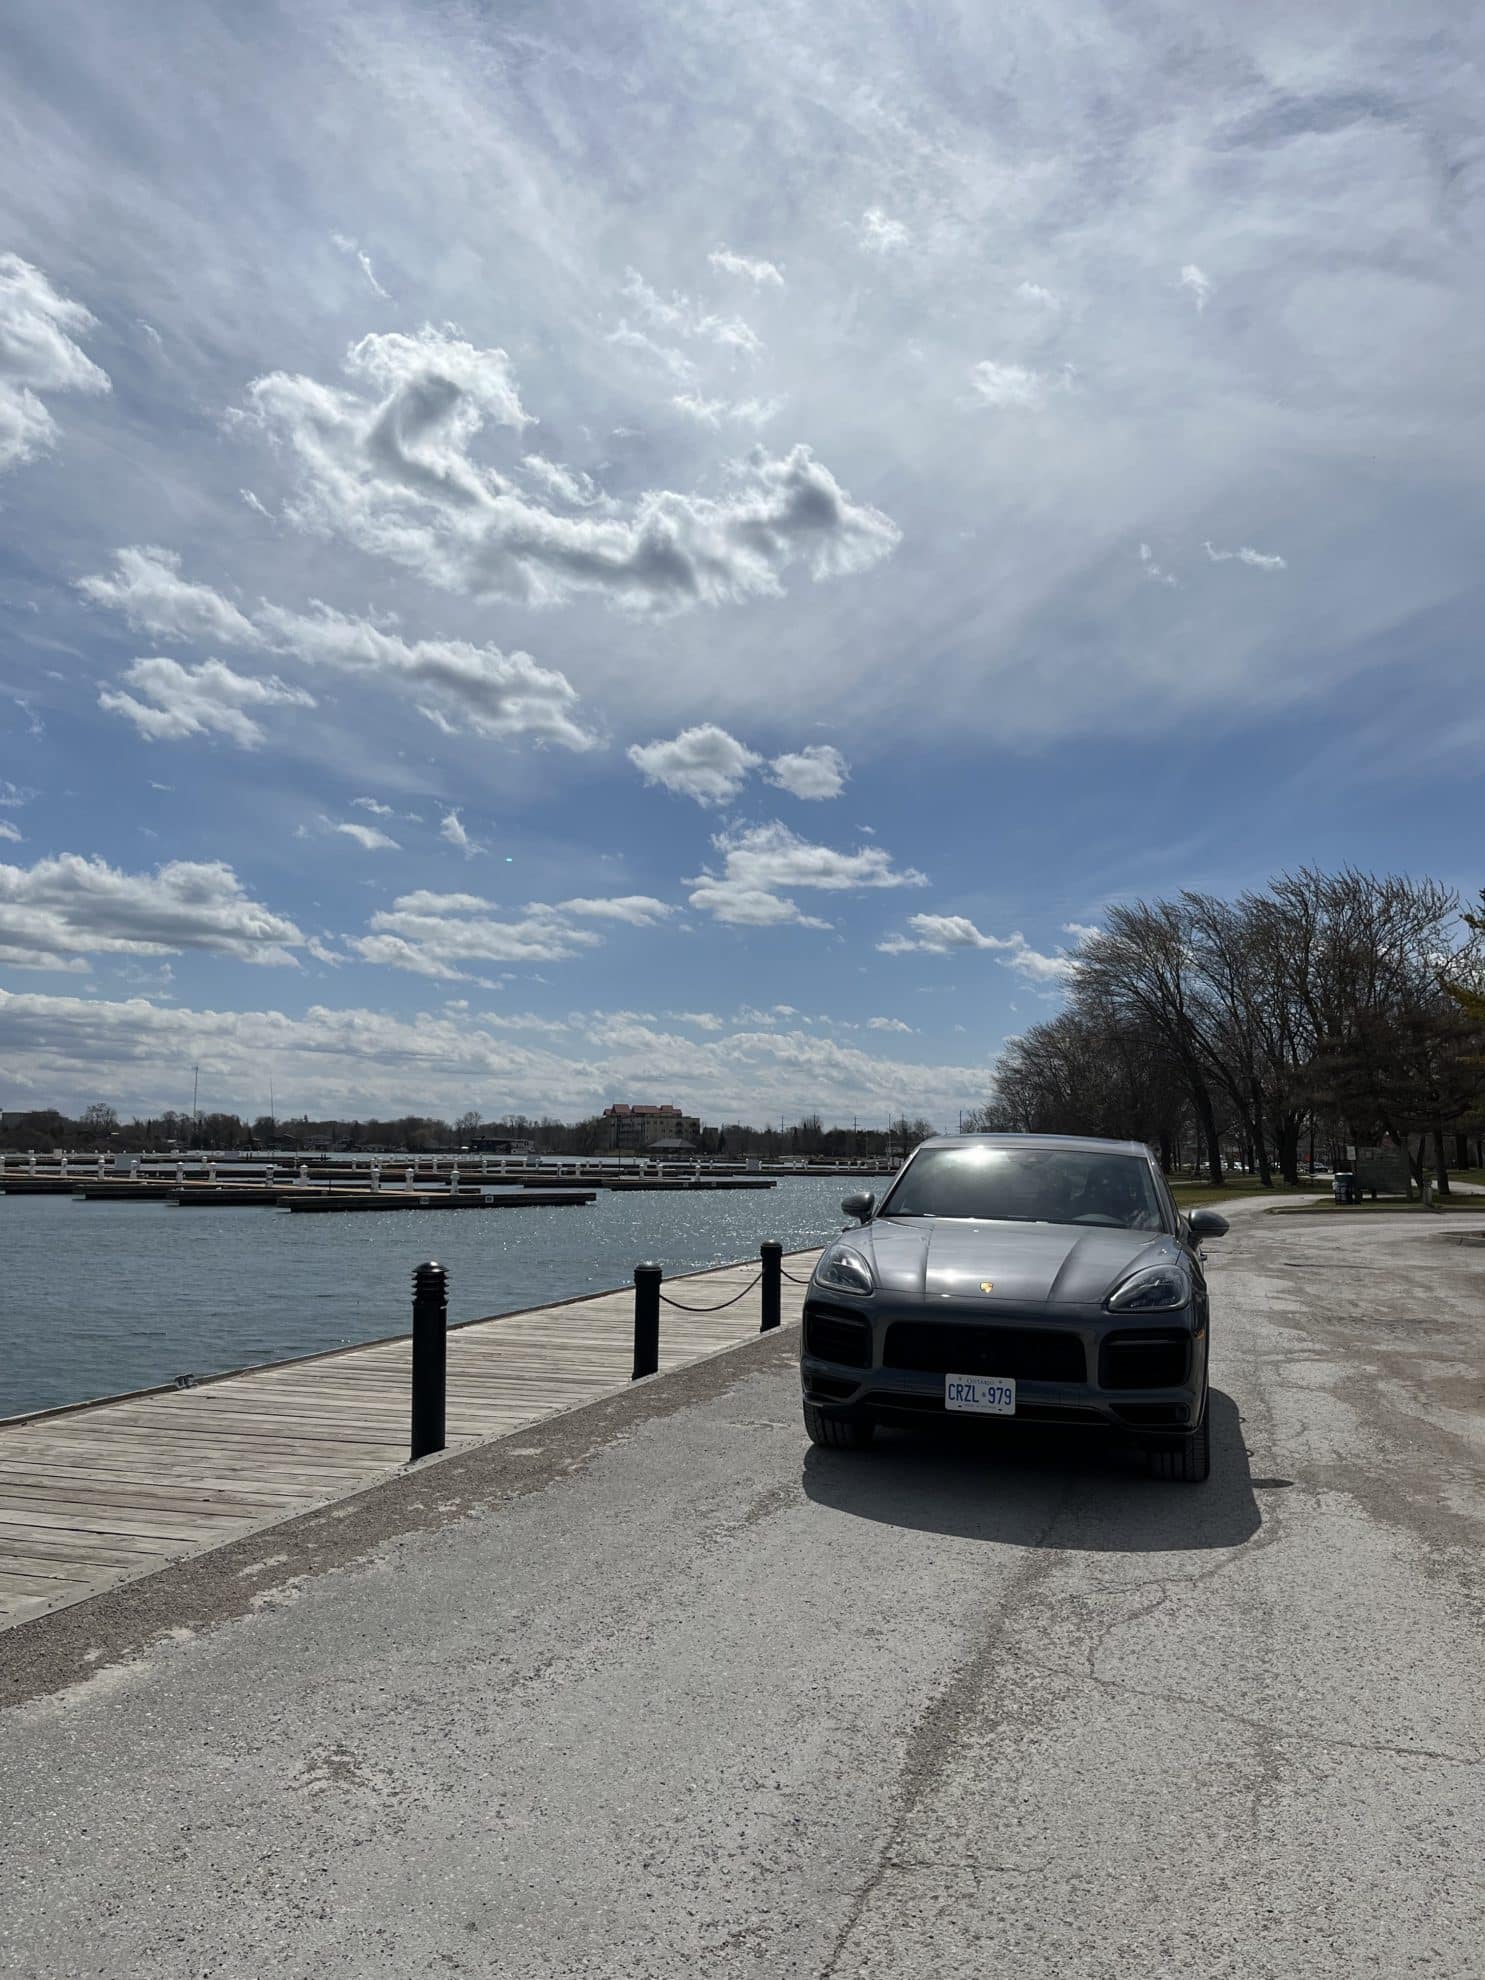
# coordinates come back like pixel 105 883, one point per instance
pixel 685 552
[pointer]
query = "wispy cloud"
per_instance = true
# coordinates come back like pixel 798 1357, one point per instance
pixel 453 830
pixel 367 837
pixel 946 934
pixel 1258 560
pixel 171 702
pixel 763 274
pixel 1008 386
pixel 881 233
pixel 38 353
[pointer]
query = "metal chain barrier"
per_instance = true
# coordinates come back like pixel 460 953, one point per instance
pixel 681 1306
pixel 794 1279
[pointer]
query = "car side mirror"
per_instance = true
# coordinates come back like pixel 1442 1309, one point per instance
pixel 1206 1224
pixel 859 1204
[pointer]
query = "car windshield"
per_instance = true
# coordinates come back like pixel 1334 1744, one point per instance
pixel 1028 1186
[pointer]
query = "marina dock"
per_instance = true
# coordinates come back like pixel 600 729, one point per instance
pixel 99 1493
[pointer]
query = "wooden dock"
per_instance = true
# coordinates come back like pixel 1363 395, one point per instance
pixel 95 1495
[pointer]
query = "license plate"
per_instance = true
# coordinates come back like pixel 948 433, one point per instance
pixel 982 1395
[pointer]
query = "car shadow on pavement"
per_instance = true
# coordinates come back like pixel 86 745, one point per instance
pixel 1030 1485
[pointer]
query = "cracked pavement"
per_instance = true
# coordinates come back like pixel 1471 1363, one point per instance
pixel 652 1687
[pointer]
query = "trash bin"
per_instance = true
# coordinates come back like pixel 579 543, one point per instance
pixel 1343 1187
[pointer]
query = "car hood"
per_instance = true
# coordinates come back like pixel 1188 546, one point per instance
pixel 1024 1264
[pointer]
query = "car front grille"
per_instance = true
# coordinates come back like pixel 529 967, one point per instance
pixel 946 1347
pixel 836 1336
pixel 1154 1358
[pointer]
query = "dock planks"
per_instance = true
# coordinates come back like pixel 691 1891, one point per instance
pixel 94 1496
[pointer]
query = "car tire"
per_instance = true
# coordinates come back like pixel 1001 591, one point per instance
pixel 836 1433
pixel 1185 1460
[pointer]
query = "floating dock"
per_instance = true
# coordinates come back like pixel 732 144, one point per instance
pixel 102 1492
pixel 406 1199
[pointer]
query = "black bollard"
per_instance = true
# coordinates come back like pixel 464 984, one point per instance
pixel 429 1358
pixel 772 1255
pixel 646 1320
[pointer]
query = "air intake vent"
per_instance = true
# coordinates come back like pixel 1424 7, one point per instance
pixel 835 1336
pixel 1029 1354
pixel 1152 1359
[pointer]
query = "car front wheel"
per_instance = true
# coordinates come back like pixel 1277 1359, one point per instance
pixel 838 1433
pixel 1187 1460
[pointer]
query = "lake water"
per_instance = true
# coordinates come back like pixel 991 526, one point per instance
pixel 99 1297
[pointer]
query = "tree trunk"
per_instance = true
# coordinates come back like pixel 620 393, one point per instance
pixel 1288 1138
pixel 1207 1122
pixel 1440 1161
pixel 1461 1150
pixel 1165 1151
pixel 1260 1140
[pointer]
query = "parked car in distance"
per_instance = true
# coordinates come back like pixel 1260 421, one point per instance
pixel 1047 1278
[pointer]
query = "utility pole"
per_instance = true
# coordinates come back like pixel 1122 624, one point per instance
pixel 195 1092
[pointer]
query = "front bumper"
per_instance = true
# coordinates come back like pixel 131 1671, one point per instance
pixel 887 1358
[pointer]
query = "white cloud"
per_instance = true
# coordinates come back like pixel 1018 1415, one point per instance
pixel 703 1020
pixel 816 771
pixel 704 763
pixel 626 338
pixel 373 805
pixel 763 274
pixel 773 856
pixel 454 831
pixel 1033 292
pixel 764 864
pixel 1153 570
pixel 1256 558
pixel 476 688
pixel 944 934
pixel 37 354
pixel 1081 931
pixel 9 831
pixel 715 412
pixel 880 232
pixel 62 909
pixel 254 504
pixel 210 699
pixel 1199 284
pixel 563 484
pixel 363 261
pixel 146 587
pixel 12 796
pixel 737 906
pixel 366 836
pixel 680 315
pixel 940 934
pixel 439 934
pixel 1008 386
pixel 887 1024
pixel 362 1061
pixel 638 910
pixel 387 468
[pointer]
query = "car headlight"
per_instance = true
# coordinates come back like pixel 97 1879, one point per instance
pixel 845 1271
pixel 1156 1289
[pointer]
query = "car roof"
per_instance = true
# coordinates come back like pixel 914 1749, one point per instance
pixel 1083 1144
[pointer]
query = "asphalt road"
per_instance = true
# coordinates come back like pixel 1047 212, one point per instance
pixel 654 1689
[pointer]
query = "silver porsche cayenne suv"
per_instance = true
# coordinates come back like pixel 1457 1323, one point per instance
pixel 1041 1277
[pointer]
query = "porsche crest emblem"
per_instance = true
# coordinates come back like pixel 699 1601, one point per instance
pixel 987 1285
